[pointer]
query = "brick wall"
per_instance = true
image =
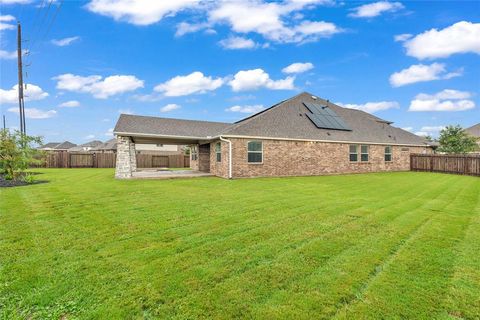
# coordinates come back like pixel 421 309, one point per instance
pixel 299 158
pixel 219 169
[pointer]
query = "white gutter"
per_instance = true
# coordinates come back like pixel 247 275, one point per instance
pixel 229 156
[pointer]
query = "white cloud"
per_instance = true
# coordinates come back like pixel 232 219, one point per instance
pixel 237 43
pixel 126 111
pixel 31 93
pixel 422 133
pixel 432 129
pixel 8 55
pixel 99 88
pixel 375 9
pixel 15 1
pixel 109 132
pixel 372 106
pixel 402 37
pixel 3 22
pixel 270 20
pixel 65 41
pixel 90 136
pixel 195 82
pixel 446 100
pixel 256 79
pixel 140 12
pixel 170 107
pixel 70 104
pixel 407 128
pixel 422 73
pixel 461 37
pixel 185 27
pixel 246 109
pixel 298 67
pixel 34 113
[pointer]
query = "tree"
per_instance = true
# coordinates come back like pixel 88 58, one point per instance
pixel 17 153
pixel 454 140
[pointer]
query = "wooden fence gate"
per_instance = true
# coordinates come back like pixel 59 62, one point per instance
pixel 459 164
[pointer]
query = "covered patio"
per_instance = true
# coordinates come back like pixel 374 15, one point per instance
pixel 131 130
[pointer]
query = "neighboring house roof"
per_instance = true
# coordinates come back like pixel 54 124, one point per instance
pixel 86 146
pixel 285 120
pixel 65 145
pixel 107 145
pixel 50 145
pixel 474 130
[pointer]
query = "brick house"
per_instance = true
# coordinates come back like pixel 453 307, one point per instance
pixel 301 136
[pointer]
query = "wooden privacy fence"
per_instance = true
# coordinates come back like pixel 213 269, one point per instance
pixel 459 164
pixel 108 160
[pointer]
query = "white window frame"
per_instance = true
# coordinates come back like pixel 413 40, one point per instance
pixel 350 153
pixel 362 153
pixel 194 153
pixel 261 152
pixel 389 153
pixel 218 152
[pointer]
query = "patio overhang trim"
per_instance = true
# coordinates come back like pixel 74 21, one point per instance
pixel 153 135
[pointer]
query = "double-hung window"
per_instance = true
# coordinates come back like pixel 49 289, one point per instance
pixel 255 152
pixel 194 152
pixel 388 153
pixel 218 151
pixel 364 153
pixel 353 153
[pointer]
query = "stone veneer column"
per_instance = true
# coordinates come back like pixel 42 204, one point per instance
pixel 126 158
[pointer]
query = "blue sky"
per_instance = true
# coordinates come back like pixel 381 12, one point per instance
pixel 415 63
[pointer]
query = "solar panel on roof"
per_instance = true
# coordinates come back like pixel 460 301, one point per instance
pixel 325 118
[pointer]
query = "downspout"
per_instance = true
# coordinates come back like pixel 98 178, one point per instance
pixel 229 156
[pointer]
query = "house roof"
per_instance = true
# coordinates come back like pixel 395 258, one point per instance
pixel 65 145
pixel 284 120
pixel 168 127
pixel 93 143
pixel 474 130
pixel 107 145
pixel 50 145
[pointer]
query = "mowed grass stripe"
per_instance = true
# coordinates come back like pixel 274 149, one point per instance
pixel 462 300
pixel 186 248
pixel 352 234
pixel 419 273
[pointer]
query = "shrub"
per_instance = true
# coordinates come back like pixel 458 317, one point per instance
pixel 17 153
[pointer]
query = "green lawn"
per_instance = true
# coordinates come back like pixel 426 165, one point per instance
pixel 385 246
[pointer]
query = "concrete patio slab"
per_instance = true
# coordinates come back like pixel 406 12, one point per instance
pixel 168 174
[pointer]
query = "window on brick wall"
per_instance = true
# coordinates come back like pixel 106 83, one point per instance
pixel 388 153
pixel 353 152
pixel 194 152
pixel 255 152
pixel 218 151
pixel 364 153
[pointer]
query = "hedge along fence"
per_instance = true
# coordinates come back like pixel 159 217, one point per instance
pixel 65 159
pixel 459 164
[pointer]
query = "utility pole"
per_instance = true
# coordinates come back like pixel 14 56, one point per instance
pixel 21 103
pixel 4 123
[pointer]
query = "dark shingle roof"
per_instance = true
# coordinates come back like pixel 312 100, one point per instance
pixel 474 130
pixel 107 145
pixel 65 145
pixel 93 143
pixel 168 127
pixel 285 120
pixel 50 145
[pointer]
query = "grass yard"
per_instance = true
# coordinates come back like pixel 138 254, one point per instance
pixel 385 246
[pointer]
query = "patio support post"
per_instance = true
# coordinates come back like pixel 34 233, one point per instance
pixel 126 158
